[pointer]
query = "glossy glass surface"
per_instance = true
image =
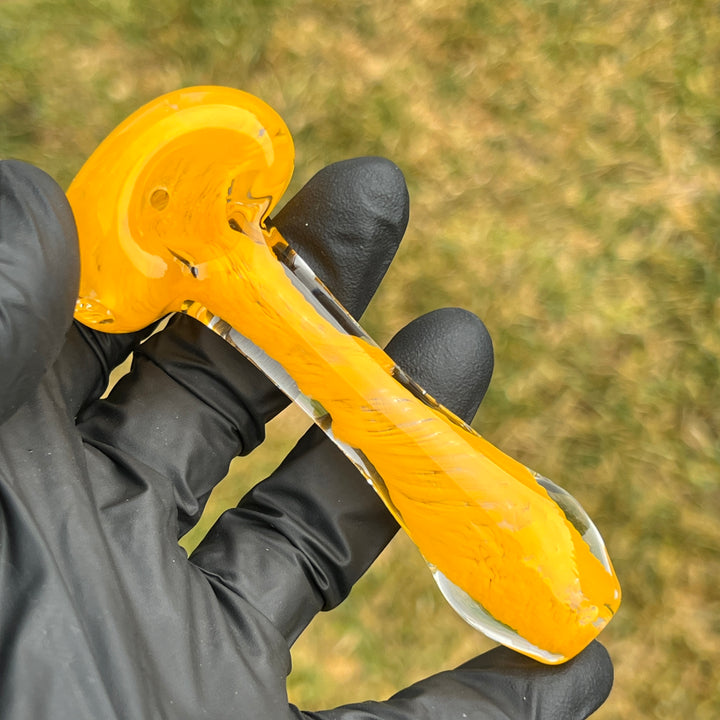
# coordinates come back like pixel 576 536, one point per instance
pixel 170 212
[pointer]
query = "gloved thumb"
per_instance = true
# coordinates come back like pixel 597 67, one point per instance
pixel 39 276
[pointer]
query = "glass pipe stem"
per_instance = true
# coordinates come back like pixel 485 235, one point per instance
pixel 405 429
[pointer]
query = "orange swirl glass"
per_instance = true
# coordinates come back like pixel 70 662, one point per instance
pixel 171 212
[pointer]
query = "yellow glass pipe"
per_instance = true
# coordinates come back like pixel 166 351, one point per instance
pixel 171 212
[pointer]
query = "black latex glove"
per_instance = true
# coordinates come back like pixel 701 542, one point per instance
pixel 102 615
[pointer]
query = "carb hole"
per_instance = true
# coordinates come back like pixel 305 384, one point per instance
pixel 160 198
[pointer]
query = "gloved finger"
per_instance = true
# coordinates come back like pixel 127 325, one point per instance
pixel 86 360
pixel 39 276
pixel 499 685
pixel 347 223
pixel 300 539
pixel 191 402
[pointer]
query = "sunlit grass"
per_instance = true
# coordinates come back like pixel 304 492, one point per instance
pixel 564 167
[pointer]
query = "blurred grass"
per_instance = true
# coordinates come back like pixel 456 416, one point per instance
pixel 564 168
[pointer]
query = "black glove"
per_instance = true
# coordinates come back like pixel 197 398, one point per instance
pixel 102 615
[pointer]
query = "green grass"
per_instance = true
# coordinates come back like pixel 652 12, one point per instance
pixel 564 166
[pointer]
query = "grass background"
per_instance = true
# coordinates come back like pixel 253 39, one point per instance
pixel 563 159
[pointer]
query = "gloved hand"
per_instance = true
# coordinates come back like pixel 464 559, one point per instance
pixel 102 615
